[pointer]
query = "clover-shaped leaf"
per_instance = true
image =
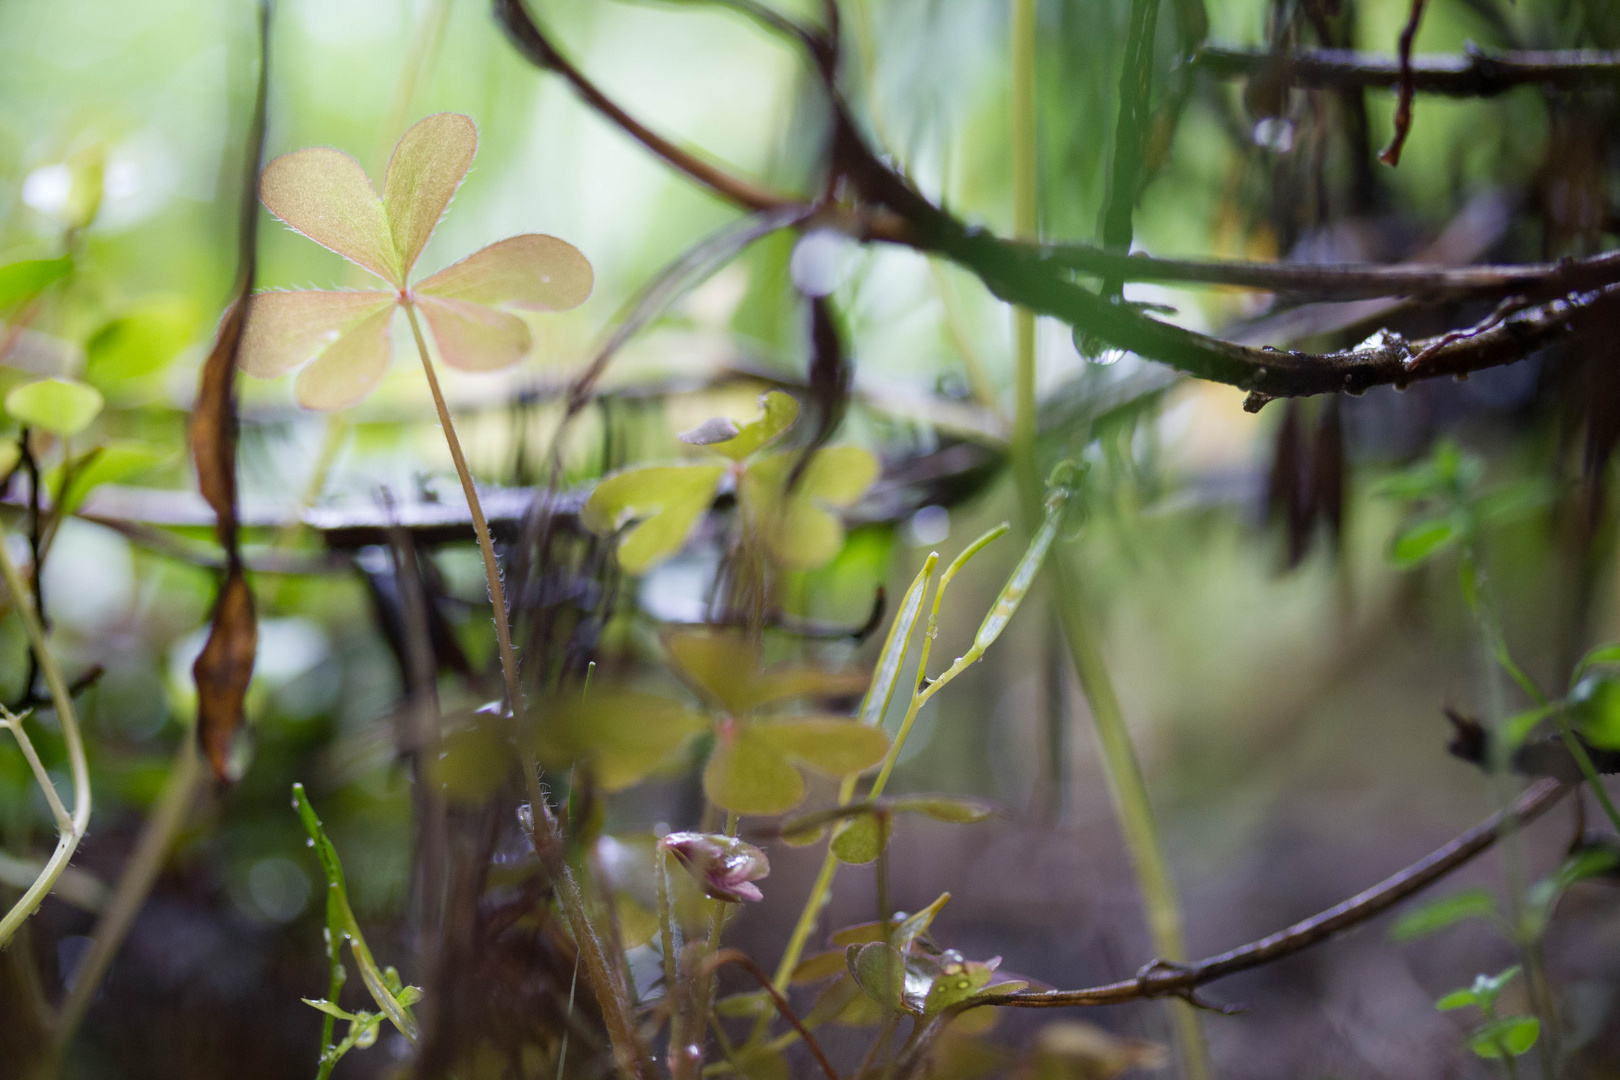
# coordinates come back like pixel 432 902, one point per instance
pixel 624 734
pixel 723 667
pixel 795 524
pixel 664 500
pixel 60 406
pixel 752 769
pixel 326 195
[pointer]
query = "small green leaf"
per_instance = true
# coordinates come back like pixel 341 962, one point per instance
pixel 1595 704
pixel 777 413
pixel 862 840
pixel 1444 912
pixel 821 966
pixel 142 341
pixel 719 665
pixel 330 1009
pixel 1602 655
pixel 956 809
pixel 748 775
pixel 832 1002
pixel 110 464
pixel 880 970
pixel 21 281
pixel 911 927
pixel 666 500
pixel 761 1063
pixel 861 933
pixel 624 734
pixel 60 406
pixel 1510 1036
pixel 887 673
pixel 1457 999
pixel 1422 541
pixel 832 746
pixel 1517 728
pixel 956 984
pixel 796 526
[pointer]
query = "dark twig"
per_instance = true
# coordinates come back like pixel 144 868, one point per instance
pixel 1345 281
pixel 746 962
pixel 1391 154
pixel 537 48
pixel 1474 74
pixel 1161 980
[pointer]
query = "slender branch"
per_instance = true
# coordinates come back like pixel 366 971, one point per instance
pixel 746 962
pixel 1160 979
pixel 1407 88
pixel 538 49
pixel 895 212
pixel 67 842
pixel 1473 74
pixel 1344 281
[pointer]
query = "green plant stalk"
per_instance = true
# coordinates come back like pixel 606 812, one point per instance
pixel 921 694
pixel 876 703
pixel 492 568
pixel 1135 810
pixel 1026 226
pixel 67 842
pixel 340 918
pixel 157 838
pixel 1478 596
pixel 1131 802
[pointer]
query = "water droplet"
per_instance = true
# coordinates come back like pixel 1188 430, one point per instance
pixel 951 956
pixel 310 842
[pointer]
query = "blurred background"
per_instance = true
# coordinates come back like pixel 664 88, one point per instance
pixel 1283 681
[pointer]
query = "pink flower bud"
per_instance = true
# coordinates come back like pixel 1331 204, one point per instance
pixel 724 867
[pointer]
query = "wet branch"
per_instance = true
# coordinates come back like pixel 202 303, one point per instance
pixel 889 209
pixel 1162 980
pixel 1471 74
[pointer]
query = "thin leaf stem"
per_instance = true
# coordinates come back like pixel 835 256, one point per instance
pixel 492 568
pixel 891 661
pixel 67 841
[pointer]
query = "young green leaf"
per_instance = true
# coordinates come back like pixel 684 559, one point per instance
pixel 1444 912
pixel 955 984
pixel 110 464
pixel 956 809
pixel 880 970
pixel 60 406
pixel 748 775
pixel 833 746
pixel 778 411
pixel 21 281
pixel 143 340
pixel 623 734
pixel 1457 999
pixel 862 839
pixel 893 657
pixel 666 501
pixel 1423 540
pixel 1510 1036
pixel 1601 655
pixel 796 526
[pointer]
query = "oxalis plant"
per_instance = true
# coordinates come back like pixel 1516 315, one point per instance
pixel 749 726
pixel 344 340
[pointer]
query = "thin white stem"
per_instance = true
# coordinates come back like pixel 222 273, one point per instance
pixel 68 841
